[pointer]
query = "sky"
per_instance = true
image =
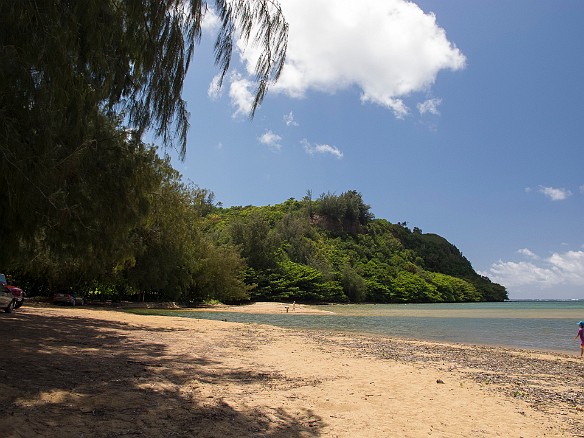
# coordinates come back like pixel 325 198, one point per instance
pixel 462 118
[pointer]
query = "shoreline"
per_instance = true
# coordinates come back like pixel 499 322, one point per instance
pixel 279 308
pixel 264 307
pixel 105 373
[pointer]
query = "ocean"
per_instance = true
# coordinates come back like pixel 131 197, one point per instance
pixel 534 325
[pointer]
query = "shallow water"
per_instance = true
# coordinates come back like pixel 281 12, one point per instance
pixel 538 325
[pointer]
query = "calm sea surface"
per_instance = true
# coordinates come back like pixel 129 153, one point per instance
pixel 539 325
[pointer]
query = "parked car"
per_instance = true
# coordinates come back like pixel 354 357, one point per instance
pixel 17 292
pixel 7 300
pixel 71 298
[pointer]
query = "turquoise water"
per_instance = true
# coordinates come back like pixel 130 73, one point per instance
pixel 537 325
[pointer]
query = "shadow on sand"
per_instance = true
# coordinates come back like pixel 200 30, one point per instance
pixel 80 376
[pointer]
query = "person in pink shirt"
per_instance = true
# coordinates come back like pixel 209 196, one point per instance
pixel 581 336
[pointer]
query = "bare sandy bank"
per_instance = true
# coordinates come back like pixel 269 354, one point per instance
pixel 269 308
pixel 101 373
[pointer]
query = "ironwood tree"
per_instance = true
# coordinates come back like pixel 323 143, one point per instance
pixel 80 84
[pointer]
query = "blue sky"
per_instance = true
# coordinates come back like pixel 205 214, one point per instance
pixel 462 118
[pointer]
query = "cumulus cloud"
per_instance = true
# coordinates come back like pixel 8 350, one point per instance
pixel 555 194
pixel 560 269
pixel 271 140
pixel 321 149
pixel 388 50
pixel 240 94
pixel 571 265
pixel 513 274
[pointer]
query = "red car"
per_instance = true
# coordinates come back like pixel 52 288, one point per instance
pixel 17 292
pixel 71 298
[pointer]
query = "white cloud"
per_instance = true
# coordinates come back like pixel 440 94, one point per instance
pixel 214 91
pixel 523 273
pixel 565 270
pixel 289 119
pixel 581 189
pixel 430 106
pixel 211 21
pixel 271 140
pixel 388 50
pixel 571 264
pixel 555 194
pixel 526 252
pixel 321 149
pixel 240 94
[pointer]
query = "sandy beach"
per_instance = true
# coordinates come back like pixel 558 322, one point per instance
pixel 86 372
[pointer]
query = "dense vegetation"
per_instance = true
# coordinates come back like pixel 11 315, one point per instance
pixel 331 249
pixel 86 205
pixel 80 84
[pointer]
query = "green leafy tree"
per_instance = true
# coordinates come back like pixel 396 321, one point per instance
pixel 354 286
pixel 454 289
pixel 253 233
pixel 489 291
pixel 219 275
pixel 91 233
pixel 173 259
pixel 346 213
pixel 76 77
pixel 408 286
pixel 162 260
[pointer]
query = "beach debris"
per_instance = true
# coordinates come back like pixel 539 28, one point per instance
pixel 549 382
pixel 440 381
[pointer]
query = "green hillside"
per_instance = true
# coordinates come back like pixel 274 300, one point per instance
pixel 332 249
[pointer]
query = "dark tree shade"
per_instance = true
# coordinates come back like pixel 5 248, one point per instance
pixel 78 79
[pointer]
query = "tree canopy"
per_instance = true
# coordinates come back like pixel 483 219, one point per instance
pixel 80 83
pixel 333 249
pixel 188 249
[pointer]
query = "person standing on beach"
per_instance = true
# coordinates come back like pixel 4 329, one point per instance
pixel 581 336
